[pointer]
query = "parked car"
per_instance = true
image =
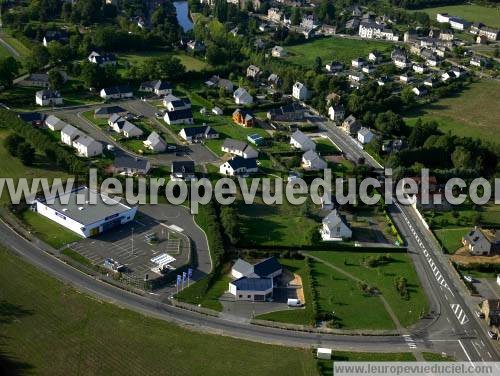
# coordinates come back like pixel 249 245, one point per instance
pixel 468 278
pixel 480 314
pixel 492 335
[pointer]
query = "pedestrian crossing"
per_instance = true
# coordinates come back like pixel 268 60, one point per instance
pixel 409 341
pixel 459 313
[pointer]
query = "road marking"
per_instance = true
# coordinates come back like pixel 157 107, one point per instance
pixel 409 341
pixel 466 353
pixel 459 313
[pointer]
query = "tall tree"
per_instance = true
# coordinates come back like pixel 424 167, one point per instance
pixel 9 69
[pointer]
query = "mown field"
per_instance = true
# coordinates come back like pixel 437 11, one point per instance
pixel 277 225
pixel 49 328
pixel 339 294
pixel 473 113
pixel 330 48
pixel 471 12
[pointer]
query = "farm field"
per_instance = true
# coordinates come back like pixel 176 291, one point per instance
pixel 464 114
pixel 471 12
pixel 11 167
pixel 331 48
pixel 49 328
pixel 382 277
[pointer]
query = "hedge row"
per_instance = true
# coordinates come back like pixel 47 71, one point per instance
pixel 61 157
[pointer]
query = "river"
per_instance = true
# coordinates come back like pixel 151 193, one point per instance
pixel 182 9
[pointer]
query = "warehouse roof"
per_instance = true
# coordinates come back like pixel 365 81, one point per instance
pixel 77 205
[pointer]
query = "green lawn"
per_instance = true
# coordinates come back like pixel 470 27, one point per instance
pixel 20 98
pixel 451 238
pixel 473 113
pixel 471 12
pixel 277 225
pixel 47 230
pixel 303 316
pixel 11 167
pixel 325 147
pixel 192 63
pixel 4 52
pixel 196 294
pixel 340 294
pixel 332 48
pixel 381 277
pixel 49 328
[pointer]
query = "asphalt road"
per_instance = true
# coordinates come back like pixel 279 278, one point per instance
pixel 454 319
pixel 151 306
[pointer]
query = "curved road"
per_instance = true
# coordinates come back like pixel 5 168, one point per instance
pixel 154 308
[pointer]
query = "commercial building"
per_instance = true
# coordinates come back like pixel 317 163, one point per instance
pixel 76 211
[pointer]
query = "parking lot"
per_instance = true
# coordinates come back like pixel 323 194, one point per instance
pixel 131 245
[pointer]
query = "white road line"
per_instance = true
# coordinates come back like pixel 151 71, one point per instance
pixel 465 352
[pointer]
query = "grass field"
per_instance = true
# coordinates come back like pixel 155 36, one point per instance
pixel 49 328
pixel 11 167
pixel 382 277
pixel 303 316
pixel 190 62
pixel 451 238
pixel 277 225
pixel 340 294
pixel 196 294
pixel 330 48
pixel 474 13
pixel 47 230
pixel 473 113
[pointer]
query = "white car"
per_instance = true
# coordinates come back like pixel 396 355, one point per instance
pixel 468 278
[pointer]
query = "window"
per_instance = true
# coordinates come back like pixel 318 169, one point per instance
pixel 240 296
pixel 249 296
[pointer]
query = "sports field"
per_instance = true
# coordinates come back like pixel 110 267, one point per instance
pixel 473 113
pixel 331 48
pixel 50 329
pixel 471 12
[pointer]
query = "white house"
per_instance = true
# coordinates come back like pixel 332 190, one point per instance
pixel 217 111
pixel 442 18
pixel 183 170
pixel 157 87
pixel 102 59
pixel 86 146
pixel 198 134
pixel 48 98
pixel 334 66
pixel 358 62
pixel 184 116
pixel 375 56
pixel 116 92
pixel 241 96
pixel 278 51
pixel 365 135
pixel 239 148
pixel 336 113
pixel 77 212
pixel 334 228
pixel 300 91
pixel 239 166
pixel 311 161
pixel 123 126
pixel 172 103
pixel 69 133
pixel 419 90
pixel 54 123
pixel 254 282
pixel 155 143
pixel 458 23
pixel 300 141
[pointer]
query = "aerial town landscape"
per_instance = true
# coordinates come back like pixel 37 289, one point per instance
pixel 164 117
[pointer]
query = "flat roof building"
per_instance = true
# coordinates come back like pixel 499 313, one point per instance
pixel 77 212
